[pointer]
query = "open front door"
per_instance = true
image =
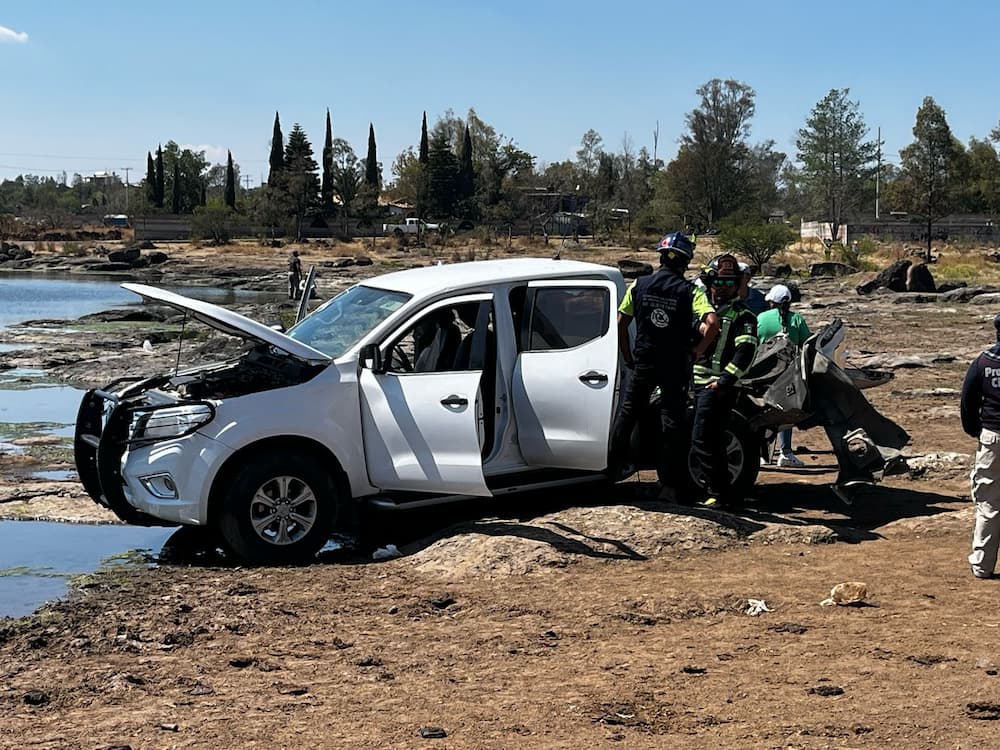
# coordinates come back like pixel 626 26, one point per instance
pixel 422 417
pixel 566 374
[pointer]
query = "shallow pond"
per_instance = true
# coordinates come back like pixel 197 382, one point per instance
pixel 37 559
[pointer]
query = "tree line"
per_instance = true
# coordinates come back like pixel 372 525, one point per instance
pixel 464 172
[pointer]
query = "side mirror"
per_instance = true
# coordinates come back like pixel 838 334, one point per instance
pixel 371 358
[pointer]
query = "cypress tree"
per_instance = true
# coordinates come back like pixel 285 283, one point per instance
pixel 150 179
pixel 326 184
pixel 442 178
pixel 159 178
pixel 277 157
pixel 424 149
pixel 175 204
pixel 203 196
pixel 371 165
pixel 466 175
pixel 230 193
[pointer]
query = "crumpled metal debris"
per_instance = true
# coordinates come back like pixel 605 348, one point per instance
pixel 757 607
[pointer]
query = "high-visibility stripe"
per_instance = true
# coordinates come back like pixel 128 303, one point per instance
pixel 734 370
pixel 745 339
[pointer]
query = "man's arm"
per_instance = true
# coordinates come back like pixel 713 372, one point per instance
pixel 972 401
pixel 743 354
pixel 624 321
pixel 709 329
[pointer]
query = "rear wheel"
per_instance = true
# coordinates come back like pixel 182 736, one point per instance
pixel 743 452
pixel 278 509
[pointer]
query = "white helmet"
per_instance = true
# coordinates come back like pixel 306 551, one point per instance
pixel 779 294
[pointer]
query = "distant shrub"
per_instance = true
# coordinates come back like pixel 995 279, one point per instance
pixel 757 242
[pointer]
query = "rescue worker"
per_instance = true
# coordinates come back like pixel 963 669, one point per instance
pixel 294 274
pixel 752 297
pixel 981 419
pixel 716 374
pixel 780 319
pixel 665 307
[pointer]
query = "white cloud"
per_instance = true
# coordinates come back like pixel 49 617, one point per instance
pixel 214 154
pixel 9 35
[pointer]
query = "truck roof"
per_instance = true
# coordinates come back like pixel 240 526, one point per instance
pixel 432 279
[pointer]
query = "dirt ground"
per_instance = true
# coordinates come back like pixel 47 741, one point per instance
pixel 576 620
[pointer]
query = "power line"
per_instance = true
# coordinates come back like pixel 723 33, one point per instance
pixel 63 156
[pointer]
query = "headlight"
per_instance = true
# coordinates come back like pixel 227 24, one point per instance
pixel 169 422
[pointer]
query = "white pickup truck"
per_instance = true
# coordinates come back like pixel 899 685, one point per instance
pixel 410 226
pixel 416 387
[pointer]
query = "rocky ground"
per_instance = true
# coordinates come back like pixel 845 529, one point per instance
pixel 556 621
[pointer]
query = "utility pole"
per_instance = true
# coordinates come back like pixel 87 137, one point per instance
pixel 878 168
pixel 126 170
pixel 656 141
pixel 246 179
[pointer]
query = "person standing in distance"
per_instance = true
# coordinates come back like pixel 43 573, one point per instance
pixel 294 274
pixel 980 408
pixel 781 319
pixel 664 306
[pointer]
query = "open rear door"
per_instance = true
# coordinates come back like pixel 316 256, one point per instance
pixel 565 377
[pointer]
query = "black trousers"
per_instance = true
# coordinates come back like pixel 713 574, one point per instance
pixel 671 464
pixel 709 441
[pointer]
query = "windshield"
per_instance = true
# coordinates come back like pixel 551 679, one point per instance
pixel 339 324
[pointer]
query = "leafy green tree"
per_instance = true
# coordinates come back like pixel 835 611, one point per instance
pixel 347 178
pixel 276 160
pixel 981 188
pixel 836 157
pixel 408 177
pixel 298 177
pixel 229 196
pixel 186 170
pixel 161 194
pixel 756 242
pixel 715 145
pixel 214 221
pixel 150 184
pixel 930 167
pixel 326 183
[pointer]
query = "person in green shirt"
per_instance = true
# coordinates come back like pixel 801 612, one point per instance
pixel 780 319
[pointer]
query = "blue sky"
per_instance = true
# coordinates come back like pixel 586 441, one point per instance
pixel 89 86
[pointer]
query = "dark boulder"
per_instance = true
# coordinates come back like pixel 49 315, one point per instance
pixel 781 270
pixel 111 266
pixel 338 263
pixel 919 279
pixel 362 260
pixel 831 268
pixel 633 269
pixel 125 255
pixel 145 245
pixel 156 257
pixel 949 286
pixel 966 293
pixel 894 277
pixel 867 287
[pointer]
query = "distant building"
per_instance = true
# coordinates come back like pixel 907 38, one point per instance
pixel 104 180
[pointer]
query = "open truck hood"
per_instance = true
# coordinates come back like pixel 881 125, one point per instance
pixel 229 322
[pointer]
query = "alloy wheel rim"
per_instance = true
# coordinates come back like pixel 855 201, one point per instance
pixel 283 510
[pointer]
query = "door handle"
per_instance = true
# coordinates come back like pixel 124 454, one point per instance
pixel 454 400
pixel 593 377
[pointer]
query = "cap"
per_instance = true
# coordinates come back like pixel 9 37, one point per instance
pixel 780 293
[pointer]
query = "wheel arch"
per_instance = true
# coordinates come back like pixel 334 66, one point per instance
pixel 272 445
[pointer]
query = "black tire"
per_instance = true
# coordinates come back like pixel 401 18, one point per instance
pixel 279 509
pixel 744 458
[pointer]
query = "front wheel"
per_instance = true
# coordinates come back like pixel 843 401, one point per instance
pixel 279 509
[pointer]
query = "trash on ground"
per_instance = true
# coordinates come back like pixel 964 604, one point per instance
pixel 756 607
pixel 846 594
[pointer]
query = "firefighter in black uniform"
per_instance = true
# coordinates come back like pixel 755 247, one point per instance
pixel 716 374
pixel 663 305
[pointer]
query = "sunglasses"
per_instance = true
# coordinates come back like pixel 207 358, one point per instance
pixel 723 282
